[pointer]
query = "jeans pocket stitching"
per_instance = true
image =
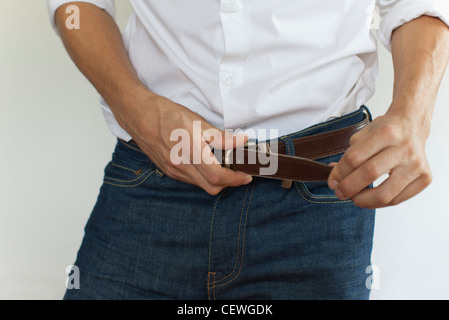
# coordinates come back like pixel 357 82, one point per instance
pixel 306 195
pixel 143 177
pixel 132 180
pixel 122 167
pixel 240 252
pixel 238 239
pixel 210 286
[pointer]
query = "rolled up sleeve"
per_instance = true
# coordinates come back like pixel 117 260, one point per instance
pixel 395 13
pixel 53 5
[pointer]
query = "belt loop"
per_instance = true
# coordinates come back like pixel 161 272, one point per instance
pixel 370 116
pixel 289 146
pixel 290 151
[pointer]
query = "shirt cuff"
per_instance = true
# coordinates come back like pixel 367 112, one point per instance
pixel 53 5
pixel 406 11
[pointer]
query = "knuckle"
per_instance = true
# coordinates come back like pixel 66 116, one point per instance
pixel 353 140
pixel 391 132
pixel 373 171
pixel 395 202
pixel 410 149
pixel 384 198
pixel 359 203
pixel 419 165
pixel 427 178
pixel 345 188
pixel 213 179
pixel 232 181
pixel 213 191
pixel 354 158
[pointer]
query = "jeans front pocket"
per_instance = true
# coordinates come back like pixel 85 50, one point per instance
pixel 319 191
pixel 129 167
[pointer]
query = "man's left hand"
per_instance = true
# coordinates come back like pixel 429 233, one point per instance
pixel 392 145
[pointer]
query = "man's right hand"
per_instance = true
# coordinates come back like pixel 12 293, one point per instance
pixel 151 123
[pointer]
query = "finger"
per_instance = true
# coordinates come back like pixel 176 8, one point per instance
pixel 385 194
pixel 190 173
pixel 203 169
pixel 382 163
pixel 178 171
pixel 184 170
pixel 214 178
pixel 196 178
pixel 209 174
pixel 364 145
pixel 215 174
pixel 413 189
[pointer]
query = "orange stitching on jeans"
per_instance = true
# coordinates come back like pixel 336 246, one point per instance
pixel 212 226
pixel 122 167
pixel 209 285
pixel 130 186
pixel 318 197
pixel 243 245
pixel 238 237
pixel 210 245
pixel 139 177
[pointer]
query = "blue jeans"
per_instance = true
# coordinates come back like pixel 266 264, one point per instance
pixel 152 237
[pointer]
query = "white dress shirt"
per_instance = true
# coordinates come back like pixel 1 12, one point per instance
pixel 261 64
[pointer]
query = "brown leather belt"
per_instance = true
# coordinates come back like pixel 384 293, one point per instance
pixel 301 167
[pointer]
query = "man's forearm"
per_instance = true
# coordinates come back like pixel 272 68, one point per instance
pixel 420 52
pixel 98 51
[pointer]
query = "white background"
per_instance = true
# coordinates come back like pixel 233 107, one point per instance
pixel 54 145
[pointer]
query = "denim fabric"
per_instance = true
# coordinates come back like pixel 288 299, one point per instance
pixel 152 237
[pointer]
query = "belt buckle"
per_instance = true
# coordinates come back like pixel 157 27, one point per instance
pixel 250 144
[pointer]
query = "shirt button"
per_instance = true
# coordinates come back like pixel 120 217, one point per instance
pixel 231 7
pixel 231 81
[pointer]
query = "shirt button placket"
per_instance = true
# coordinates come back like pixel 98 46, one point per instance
pixel 231 66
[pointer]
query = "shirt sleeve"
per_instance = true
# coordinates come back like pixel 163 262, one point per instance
pixel 53 5
pixel 395 13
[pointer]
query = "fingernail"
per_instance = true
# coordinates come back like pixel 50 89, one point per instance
pixel 339 194
pixel 249 180
pixel 333 184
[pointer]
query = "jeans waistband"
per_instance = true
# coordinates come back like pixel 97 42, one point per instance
pixel 331 125
pixel 327 126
